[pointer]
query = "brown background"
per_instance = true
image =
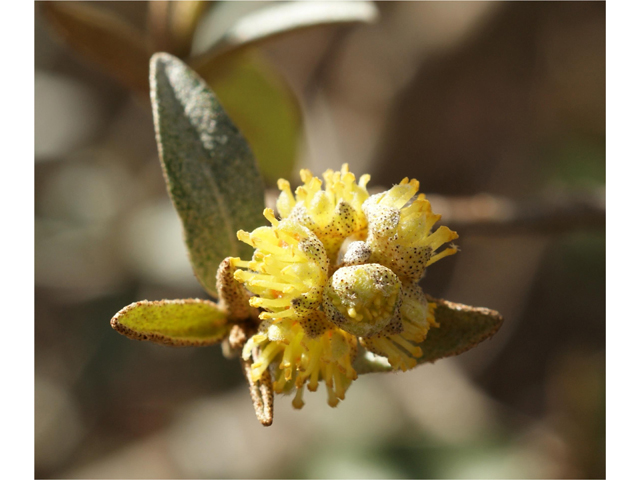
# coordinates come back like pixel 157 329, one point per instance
pixel 500 98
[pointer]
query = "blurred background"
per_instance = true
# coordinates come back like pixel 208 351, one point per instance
pixel 497 108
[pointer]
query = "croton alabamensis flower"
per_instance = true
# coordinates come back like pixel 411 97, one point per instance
pixel 338 268
pixel 330 290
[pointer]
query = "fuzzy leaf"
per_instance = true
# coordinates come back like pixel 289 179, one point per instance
pixel 104 38
pixel 461 328
pixel 179 323
pixel 210 171
pixel 263 106
pixel 281 18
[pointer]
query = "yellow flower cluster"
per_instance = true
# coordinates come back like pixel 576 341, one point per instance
pixel 333 214
pixel 338 270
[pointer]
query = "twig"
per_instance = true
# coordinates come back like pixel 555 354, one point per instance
pixel 493 215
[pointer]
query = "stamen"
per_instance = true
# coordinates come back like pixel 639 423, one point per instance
pixel 305 175
pixel 237 263
pixel 269 303
pixel 440 237
pixel 285 186
pixel 412 349
pixel 332 400
pixel 327 374
pixel 364 180
pixel 286 201
pixel 269 215
pixel 312 385
pixel 258 282
pixel 279 385
pixel 340 388
pixel 297 400
pixel 273 315
pixel 442 254
pixel 245 237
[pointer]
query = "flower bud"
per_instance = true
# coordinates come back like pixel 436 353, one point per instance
pixel 358 253
pixel 364 300
pixel 400 234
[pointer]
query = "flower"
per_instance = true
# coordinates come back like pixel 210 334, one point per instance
pixel 317 306
pixel 399 233
pixel 288 270
pixel 305 351
pixel 334 213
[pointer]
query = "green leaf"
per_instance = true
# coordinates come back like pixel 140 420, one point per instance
pixel 281 18
pixel 104 38
pixel 210 171
pixel 263 107
pixel 461 328
pixel 179 323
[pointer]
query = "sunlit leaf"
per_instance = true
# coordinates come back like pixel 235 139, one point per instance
pixel 263 107
pixel 281 18
pixel 461 328
pixel 210 171
pixel 104 38
pixel 179 323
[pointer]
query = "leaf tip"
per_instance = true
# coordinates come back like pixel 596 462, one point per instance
pixel 115 324
pixel 157 63
pixel 161 58
pixel 119 327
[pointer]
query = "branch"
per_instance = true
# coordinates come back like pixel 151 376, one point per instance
pixel 494 215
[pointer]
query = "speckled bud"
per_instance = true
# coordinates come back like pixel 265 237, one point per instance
pixel 358 253
pixel 363 299
pixel 315 324
pixel 400 234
